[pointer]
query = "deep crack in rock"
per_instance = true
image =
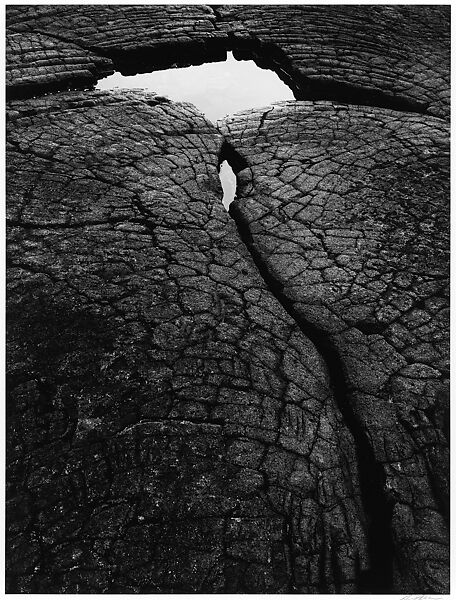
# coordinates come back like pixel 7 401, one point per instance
pixel 197 408
pixel 350 312
pixel 379 578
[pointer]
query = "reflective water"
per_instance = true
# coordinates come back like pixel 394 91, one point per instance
pixel 216 89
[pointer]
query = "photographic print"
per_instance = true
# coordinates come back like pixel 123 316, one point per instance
pixel 227 299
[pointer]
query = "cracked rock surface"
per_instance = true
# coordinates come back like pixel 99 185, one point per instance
pixel 351 229
pixel 209 402
pixel 400 54
pixel 172 429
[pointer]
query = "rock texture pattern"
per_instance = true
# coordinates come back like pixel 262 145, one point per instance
pixel 172 428
pixel 351 229
pixel 197 404
pixel 370 54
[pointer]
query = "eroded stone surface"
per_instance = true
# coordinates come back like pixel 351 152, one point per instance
pixel 171 427
pixel 360 54
pixel 347 209
pixel 36 60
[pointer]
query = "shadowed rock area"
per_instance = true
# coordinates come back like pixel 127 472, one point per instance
pixel 202 404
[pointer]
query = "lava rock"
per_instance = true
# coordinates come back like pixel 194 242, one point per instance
pixel 395 56
pixel 171 428
pixel 352 229
pixel 197 404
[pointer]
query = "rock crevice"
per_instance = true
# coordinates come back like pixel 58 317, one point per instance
pixel 205 404
pixel 378 508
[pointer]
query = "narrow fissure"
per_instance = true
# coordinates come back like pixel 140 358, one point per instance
pixel 378 509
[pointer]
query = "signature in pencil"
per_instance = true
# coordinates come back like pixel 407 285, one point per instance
pixel 420 597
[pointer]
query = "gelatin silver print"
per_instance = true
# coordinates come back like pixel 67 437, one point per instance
pixel 227 299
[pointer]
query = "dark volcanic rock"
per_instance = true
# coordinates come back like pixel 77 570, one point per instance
pixel 351 229
pixel 40 62
pixel 379 55
pixel 171 427
pixel 198 405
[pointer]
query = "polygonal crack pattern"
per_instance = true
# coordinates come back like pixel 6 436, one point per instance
pixel 161 399
pixel 202 404
pixel 344 227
